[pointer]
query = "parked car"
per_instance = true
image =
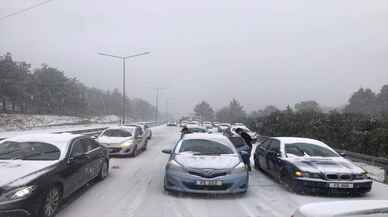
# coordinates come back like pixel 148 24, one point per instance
pixel 310 166
pixel 171 124
pixel 146 129
pixel 123 140
pixel 38 171
pixel 353 208
pixel 205 163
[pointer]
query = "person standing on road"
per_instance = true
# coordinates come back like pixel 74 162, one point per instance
pixel 185 130
pixel 248 140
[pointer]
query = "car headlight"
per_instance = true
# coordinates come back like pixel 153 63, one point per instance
pixel 363 175
pixel 307 175
pixel 175 167
pixel 18 193
pixel 239 169
pixel 126 144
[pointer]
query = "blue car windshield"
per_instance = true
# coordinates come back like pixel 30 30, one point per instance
pixel 205 147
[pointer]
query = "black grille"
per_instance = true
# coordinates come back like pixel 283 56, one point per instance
pixel 207 188
pixel 339 176
pixel 208 173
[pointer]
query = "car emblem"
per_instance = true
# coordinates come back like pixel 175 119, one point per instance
pixel 208 172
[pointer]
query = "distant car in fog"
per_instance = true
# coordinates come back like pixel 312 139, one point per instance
pixel 352 208
pixel 205 163
pixel 171 124
pixel 123 140
pixel 310 166
pixel 38 171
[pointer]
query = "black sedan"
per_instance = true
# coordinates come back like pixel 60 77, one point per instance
pixel 310 166
pixel 38 171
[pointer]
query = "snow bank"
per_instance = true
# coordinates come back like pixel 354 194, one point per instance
pixel 375 172
pixel 10 122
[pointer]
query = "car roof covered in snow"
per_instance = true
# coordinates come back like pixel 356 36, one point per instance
pixel 60 140
pixel 290 140
pixel 344 208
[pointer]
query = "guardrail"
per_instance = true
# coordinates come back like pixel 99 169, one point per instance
pixel 97 131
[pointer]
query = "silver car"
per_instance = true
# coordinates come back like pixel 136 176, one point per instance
pixel 123 140
pixel 205 163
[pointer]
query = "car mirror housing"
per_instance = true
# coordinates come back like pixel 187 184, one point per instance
pixel 342 154
pixel 167 151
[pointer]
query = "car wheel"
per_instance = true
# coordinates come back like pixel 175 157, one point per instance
pixel 145 145
pixel 51 202
pixel 104 170
pixel 135 151
pixel 150 137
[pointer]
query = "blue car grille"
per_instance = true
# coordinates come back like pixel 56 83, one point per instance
pixel 207 188
pixel 208 173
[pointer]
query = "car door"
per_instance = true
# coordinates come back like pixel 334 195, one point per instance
pixel 261 152
pixel 273 157
pixel 95 156
pixel 76 166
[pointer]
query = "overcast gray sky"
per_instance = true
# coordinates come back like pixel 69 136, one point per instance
pixel 260 52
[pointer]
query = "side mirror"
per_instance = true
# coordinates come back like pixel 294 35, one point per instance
pixel 244 153
pixel 342 154
pixel 167 151
pixel 77 157
pixel 94 137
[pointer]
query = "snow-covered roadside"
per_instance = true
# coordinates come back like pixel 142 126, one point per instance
pixel 375 172
pixel 12 122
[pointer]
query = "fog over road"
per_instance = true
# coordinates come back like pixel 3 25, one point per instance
pixel 134 189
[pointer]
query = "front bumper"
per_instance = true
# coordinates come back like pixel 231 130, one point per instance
pixel 182 182
pixel 121 151
pixel 308 185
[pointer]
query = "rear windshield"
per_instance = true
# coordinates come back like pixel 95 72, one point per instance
pixel 308 150
pixel 205 147
pixel 10 150
pixel 117 133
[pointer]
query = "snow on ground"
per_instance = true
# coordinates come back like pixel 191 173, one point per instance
pixel 375 172
pixel 11 122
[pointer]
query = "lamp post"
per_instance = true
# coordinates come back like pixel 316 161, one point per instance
pixel 123 58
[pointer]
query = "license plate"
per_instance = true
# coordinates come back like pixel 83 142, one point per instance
pixel 340 185
pixel 209 182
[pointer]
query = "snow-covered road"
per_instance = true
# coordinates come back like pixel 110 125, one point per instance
pixel 134 189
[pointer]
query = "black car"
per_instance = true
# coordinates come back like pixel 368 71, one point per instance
pixel 38 171
pixel 310 166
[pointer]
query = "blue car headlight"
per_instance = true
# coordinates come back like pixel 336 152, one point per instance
pixel 239 169
pixel 175 167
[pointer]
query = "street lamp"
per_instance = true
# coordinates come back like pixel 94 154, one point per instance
pixel 157 102
pixel 123 58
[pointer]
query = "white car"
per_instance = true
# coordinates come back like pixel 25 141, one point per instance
pixel 146 129
pixel 123 140
pixel 350 208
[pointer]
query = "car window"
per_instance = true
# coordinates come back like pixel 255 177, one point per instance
pixel 117 133
pixel 140 131
pixel 204 147
pixel 78 148
pixel 28 151
pixel 308 150
pixel 237 141
pixel 265 144
pixel 89 144
pixel 274 146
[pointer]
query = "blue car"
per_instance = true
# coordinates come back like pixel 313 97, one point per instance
pixel 205 163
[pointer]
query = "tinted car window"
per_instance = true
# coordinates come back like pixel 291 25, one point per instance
pixel 89 144
pixel 78 148
pixel 274 146
pixel 205 147
pixel 308 150
pixel 117 133
pixel 197 130
pixel 28 151
pixel 237 141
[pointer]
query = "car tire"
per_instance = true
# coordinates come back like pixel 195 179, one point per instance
pixel 134 152
pixel 150 137
pixel 51 201
pixel 145 145
pixel 104 171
